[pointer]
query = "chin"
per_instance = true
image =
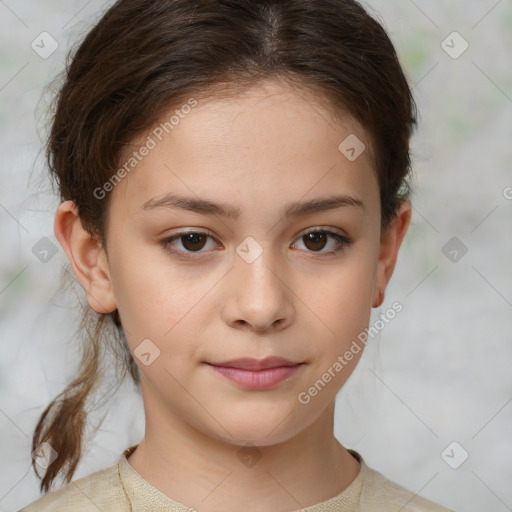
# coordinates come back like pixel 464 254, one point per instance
pixel 256 428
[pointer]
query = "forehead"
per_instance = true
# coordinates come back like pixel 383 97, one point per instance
pixel 268 141
pixel 272 118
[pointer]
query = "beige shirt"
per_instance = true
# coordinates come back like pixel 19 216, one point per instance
pixel 119 488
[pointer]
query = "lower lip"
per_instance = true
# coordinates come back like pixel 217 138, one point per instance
pixel 260 379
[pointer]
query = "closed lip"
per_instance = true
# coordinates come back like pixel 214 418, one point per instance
pixel 247 363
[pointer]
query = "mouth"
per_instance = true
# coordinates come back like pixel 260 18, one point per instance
pixel 251 364
pixel 257 374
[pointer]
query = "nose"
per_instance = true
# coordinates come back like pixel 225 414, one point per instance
pixel 258 297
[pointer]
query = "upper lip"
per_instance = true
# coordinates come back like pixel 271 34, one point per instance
pixel 247 363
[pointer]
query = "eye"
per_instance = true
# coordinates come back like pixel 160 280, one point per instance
pixel 193 242
pixel 315 240
pixel 190 241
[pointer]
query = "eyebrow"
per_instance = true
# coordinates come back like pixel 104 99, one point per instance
pixel 293 209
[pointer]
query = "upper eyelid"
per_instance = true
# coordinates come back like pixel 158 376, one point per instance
pixel 204 231
pixel 330 231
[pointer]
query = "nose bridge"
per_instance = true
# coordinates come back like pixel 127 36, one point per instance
pixel 259 295
pixel 255 268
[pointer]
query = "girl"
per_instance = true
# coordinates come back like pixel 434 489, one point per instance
pixel 233 176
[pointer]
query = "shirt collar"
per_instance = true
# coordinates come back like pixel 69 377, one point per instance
pixel 146 498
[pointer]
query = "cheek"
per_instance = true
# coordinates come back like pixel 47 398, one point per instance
pixel 155 300
pixel 343 297
pixel 164 311
pixel 342 309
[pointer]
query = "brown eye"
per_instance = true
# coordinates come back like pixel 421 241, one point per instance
pixel 315 241
pixel 193 241
pixel 318 239
pixel 185 244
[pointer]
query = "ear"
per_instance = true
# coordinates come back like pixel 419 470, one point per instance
pixel 87 257
pixel 390 243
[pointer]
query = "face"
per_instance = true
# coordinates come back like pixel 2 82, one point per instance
pixel 245 275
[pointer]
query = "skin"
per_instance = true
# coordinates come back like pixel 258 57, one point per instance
pixel 296 300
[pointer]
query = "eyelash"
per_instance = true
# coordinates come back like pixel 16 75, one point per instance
pixel 343 241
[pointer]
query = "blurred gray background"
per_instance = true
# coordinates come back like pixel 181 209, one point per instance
pixel 433 388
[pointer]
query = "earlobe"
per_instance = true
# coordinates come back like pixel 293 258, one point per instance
pixel 87 257
pixel 390 243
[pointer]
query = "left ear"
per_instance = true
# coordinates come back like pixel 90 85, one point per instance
pixel 390 242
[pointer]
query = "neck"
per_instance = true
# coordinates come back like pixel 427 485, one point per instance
pixel 210 474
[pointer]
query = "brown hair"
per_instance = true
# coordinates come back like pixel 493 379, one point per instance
pixel 146 56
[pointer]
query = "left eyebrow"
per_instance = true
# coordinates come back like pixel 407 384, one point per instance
pixel 293 209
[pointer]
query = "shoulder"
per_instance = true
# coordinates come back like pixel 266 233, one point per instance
pixel 101 490
pixel 377 489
